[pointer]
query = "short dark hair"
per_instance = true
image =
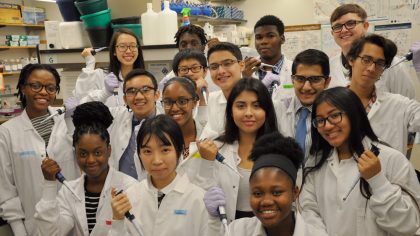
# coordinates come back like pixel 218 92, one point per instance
pixel 191 29
pixel 270 20
pixel 139 72
pixel 92 118
pixel 114 64
pixel 186 55
pixel 389 48
pixel 264 99
pixel 160 126
pixel 348 102
pixel 312 57
pixel 27 71
pixel 187 83
pixel 225 46
pixel 348 8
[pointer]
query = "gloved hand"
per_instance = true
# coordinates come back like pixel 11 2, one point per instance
pixel 213 198
pixel 269 78
pixel 70 104
pixel 415 48
pixel 111 82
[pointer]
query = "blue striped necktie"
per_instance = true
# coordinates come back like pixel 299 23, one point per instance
pixel 301 127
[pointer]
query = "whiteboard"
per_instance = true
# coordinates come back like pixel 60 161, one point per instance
pixel 301 37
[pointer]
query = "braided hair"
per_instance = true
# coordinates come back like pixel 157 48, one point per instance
pixel 27 71
pixel 191 29
pixel 92 118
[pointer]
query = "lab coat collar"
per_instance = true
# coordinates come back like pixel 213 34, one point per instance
pixel 299 229
pixel 179 184
pixel 220 97
pixel 380 97
pixel 26 122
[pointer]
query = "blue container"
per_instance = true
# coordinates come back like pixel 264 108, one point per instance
pixel 68 11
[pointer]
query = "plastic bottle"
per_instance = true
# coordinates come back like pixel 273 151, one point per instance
pixel 185 16
pixel 149 26
pixel 168 24
pixel 19 64
pixel 7 66
pixel 14 65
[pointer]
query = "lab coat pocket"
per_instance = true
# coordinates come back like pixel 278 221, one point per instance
pixel 102 227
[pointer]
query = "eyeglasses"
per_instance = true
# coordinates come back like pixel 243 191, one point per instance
pixel 194 69
pixel 337 28
pixel 313 80
pixel 180 102
pixel 37 87
pixel 123 47
pixel 333 119
pixel 368 60
pixel 226 64
pixel 145 90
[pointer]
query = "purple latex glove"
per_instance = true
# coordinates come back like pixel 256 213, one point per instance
pixel 214 198
pixel 70 104
pixel 111 82
pixel 270 78
pixel 415 48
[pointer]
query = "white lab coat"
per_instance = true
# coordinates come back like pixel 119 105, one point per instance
pixel 253 227
pixel 62 214
pixel 22 151
pixel 216 112
pixel 394 80
pixel 390 211
pixel 392 116
pixel 181 213
pixel 91 82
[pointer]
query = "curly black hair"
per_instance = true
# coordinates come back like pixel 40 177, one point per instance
pixel 270 20
pixel 191 29
pixel 92 118
pixel 276 143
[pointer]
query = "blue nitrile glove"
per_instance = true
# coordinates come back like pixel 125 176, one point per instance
pixel 415 48
pixel 111 82
pixel 214 198
pixel 70 104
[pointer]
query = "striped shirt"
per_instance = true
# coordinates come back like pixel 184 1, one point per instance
pixel 91 205
pixel 44 129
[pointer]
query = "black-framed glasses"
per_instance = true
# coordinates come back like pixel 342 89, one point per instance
pixel 226 64
pixel 194 69
pixel 333 118
pixel 337 28
pixel 124 47
pixel 313 80
pixel 180 102
pixel 37 87
pixel 145 90
pixel 368 60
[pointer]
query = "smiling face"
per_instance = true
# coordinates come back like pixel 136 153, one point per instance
pixel 367 75
pixel 228 72
pixel 336 135
pixel 159 160
pixel 129 56
pixel 37 102
pixel 92 154
pixel 307 92
pixel 346 37
pixel 181 114
pixel 142 104
pixel 272 196
pixel 268 42
pixel 247 113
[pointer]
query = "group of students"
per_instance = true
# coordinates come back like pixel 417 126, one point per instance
pixel 324 154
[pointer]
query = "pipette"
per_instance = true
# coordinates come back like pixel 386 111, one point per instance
pixel 406 57
pixel 221 159
pixel 94 51
pixel 56 113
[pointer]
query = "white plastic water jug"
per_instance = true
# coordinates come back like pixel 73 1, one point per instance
pixel 149 24
pixel 168 25
pixel 73 35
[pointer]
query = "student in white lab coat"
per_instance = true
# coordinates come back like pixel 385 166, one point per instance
pixel 225 66
pixel 140 95
pixel 62 213
pixel 125 54
pixel 273 191
pixel 269 37
pixel 165 203
pixel 349 23
pixel 348 189
pixel 310 77
pixel 391 116
pixel 24 142
pixel 193 38
pixel 249 115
